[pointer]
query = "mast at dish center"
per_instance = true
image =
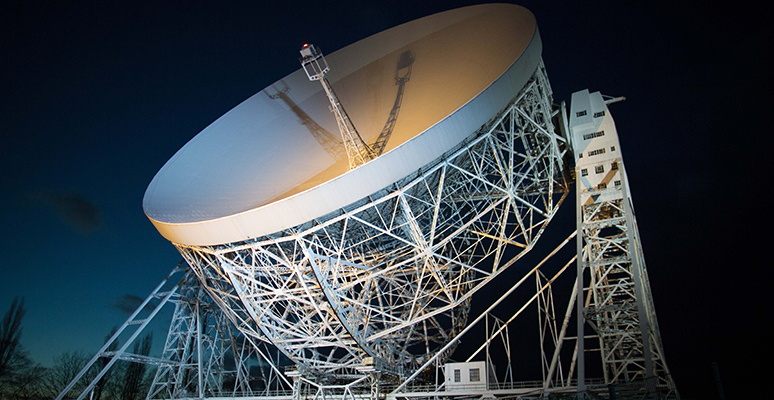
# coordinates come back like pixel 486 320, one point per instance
pixel 315 66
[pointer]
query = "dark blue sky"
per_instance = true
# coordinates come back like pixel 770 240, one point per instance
pixel 96 97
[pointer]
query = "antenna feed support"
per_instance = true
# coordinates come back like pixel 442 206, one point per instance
pixel 313 61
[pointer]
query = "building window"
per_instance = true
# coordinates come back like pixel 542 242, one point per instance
pixel 614 165
pixel 599 169
pixel 593 135
pixel 596 152
pixel 599 114
pixel 617 184
pixel 475 375
pixel 584 172
pixel 580 113
pixel 612 148
pixel 602 185
pixel 457 375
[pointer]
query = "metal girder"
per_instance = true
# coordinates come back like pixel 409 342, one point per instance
pixel 200 339
pixel 139 324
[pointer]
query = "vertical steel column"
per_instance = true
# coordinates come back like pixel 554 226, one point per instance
pixel 579 301
pixel 198 317
pixel 637 267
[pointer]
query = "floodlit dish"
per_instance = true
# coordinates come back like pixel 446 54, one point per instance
pixel 271 162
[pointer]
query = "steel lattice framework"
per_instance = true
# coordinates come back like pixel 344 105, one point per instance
pixel 618 301
pixel 195 349
pixel 371 299
pixel 384 283
pixel 389 281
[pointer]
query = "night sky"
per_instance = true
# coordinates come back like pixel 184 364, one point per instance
pixel 97 96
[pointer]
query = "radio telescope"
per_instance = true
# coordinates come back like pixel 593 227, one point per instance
pixel 349 223
pixel 344 269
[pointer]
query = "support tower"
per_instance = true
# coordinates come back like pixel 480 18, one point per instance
pixel 616 301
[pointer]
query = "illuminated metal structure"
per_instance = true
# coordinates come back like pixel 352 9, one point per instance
pixel 315 66
pixel 369 268
pixel 616 301
pixel 195 350
pixel 360 272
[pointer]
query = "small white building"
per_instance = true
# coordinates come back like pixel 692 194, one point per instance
pixel 466 376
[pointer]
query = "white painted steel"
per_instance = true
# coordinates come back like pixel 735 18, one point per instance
pixel 616 303
pixel 385 284
pixel 372 270
pixel 258 170
pixel 358 152
pixel 377 290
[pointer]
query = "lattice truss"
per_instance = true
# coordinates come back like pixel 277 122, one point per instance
pixel 610 250
pixel 194 352
pixel 384 283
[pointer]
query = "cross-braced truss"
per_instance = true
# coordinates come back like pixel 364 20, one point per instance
pixel 195 350
pixel 617 300
pixel 384 283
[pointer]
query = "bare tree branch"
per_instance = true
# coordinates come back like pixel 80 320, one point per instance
pixel 66 366
pixel 134 376
pixel 13 358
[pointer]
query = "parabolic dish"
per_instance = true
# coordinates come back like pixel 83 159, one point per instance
pixel 267 165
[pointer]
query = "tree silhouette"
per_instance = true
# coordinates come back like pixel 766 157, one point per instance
pixel 27 384
pixel 135 372
pixel 20 378
pixel 13 358
pixel 106 379
pixel 66 367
